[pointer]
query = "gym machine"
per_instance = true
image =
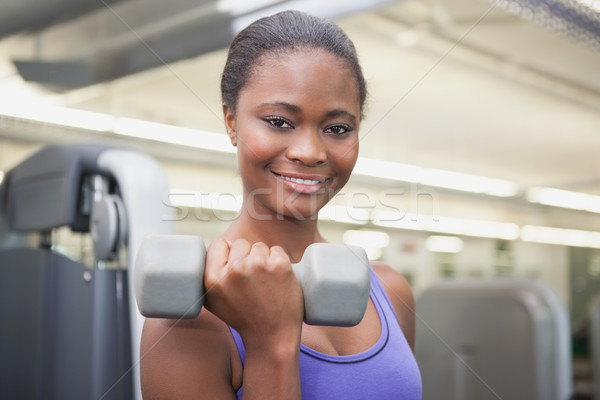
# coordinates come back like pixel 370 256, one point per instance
pixel 496 339
pixel 69 331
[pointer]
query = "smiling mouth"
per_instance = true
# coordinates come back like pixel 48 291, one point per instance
pixel 301 181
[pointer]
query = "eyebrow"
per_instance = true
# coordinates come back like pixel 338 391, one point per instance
pixel 337 112
pixel 291 107
pixel 295 109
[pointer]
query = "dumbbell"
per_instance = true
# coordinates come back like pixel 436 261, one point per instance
pixel 169 280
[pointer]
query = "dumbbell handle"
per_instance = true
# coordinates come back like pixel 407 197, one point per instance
pixel 169 280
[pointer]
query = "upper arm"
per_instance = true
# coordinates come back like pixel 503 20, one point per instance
pixel 400 293
pixel 186 359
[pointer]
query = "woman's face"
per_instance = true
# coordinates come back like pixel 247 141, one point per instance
pixel 296 129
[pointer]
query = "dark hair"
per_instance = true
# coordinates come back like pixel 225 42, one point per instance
pixel 284 32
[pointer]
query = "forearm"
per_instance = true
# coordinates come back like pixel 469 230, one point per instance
pixel 272 372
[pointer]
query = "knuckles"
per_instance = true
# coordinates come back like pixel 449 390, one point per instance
pixel 246 261
pixel 278 259
pixel 255 277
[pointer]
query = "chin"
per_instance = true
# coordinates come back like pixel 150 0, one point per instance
pixel 300 213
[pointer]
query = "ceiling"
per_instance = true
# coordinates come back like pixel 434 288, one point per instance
pixel 459 85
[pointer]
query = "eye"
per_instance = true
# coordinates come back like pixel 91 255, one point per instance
pixel 279 123
pixel 338 130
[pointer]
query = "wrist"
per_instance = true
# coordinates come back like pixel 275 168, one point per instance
pixel 271 370
pixel 283 347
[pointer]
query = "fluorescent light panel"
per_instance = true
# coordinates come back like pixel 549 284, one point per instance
pixel 435 177
pixel 373 242
pixel 564 237
pixel 387 170
pixel 71 117
pixel 173 134
pixel 368 238
pixel 447 225
pixel 444 244
pixel 564 198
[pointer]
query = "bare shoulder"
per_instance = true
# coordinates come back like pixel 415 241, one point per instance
pixel 401 296
pixel 180 359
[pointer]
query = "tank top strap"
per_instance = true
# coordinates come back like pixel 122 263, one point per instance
pixel 239 344
pixel 379 292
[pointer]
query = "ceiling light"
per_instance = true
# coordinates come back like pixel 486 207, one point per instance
pixel 565 237
pixel 447 225
pixel 444 244
pixel 173 134
pixel 469 183
pixel 373 253
pixel 435 177
pixel 373 242
pixel 564 199
pixel 367 238
pixel 71 117
pixel 408 38
pixel 387 170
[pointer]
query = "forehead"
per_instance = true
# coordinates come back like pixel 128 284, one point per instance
pixel 303 77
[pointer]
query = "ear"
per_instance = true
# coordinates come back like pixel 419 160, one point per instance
pixel 229 117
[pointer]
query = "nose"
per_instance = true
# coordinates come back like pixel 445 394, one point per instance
pixel 307 147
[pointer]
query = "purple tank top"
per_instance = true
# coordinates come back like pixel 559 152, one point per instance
pixel 388 370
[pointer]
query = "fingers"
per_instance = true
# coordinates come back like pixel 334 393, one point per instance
pixel 278 257
pixel 217 257
pixel 248 283
pixel 227 262
pixel 218 252
pixel 223 255
pixel 243 255
pixel 241 249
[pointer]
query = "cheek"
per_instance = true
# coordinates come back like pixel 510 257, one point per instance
pixel 253 146
pixel 346 157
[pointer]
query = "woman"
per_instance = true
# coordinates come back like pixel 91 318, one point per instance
pixel 293 99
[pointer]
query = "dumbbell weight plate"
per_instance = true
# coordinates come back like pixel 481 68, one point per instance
pixel 169 276
pixel 335 280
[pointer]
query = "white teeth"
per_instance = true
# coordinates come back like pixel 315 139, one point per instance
pixel 301 181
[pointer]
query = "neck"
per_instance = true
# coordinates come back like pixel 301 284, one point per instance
pixel 292 234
